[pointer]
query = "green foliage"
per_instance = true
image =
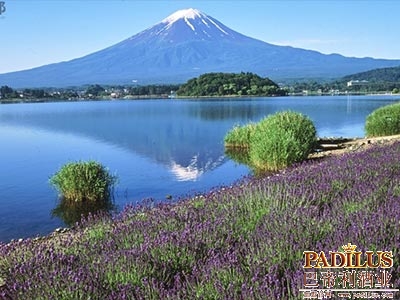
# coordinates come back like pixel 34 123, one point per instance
pixel 144 90
pixel 35 93
pixel 377 80
pixel 7 93
pixel 383 121
pixel 240 136
pixel 83 181
pixel 95 90
pixel 72 212
pixel 281 140
pixel 230 84
pixel 274 143
pixel 239 155
pixel 377 75
pixel 383 79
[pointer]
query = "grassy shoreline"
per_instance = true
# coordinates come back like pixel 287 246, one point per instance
pixel 244 241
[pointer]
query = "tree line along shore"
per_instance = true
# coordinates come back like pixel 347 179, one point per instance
pixel 209 85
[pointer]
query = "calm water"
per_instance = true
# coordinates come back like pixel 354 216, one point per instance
pixel 156 147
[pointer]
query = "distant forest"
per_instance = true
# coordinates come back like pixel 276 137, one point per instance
pixel 377 80
pixel 94 91
pixel 389 75
pixel 385 79
pixel 230 84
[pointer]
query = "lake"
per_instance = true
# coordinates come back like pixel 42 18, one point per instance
pixel 157 148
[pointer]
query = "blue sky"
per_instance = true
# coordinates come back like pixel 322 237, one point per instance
pixel 38 32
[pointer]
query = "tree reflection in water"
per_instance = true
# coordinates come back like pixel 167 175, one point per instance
pixel 71 212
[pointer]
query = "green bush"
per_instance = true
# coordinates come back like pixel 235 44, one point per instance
pixel 83 181
pixel 281 140
pixel 239 136
pixel 383 121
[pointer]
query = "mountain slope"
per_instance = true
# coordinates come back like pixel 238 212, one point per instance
pixel 184 45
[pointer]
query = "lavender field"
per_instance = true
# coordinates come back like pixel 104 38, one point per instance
pixel 244 241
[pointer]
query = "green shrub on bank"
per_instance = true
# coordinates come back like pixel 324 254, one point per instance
pixel 275 142
pixel 383 121
pixel 281 140
pixel 83 181
pixel 239 136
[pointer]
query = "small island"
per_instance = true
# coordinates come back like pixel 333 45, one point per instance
pixel 230 84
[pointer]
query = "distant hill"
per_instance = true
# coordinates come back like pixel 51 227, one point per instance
pixel 184 45
pixel 389 75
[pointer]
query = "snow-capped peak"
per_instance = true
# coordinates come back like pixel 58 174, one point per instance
pixel 189 13
pixel 192 16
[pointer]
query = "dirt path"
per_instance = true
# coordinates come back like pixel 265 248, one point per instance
pixel 335 146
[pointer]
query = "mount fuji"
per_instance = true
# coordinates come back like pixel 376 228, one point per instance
pixel 182 46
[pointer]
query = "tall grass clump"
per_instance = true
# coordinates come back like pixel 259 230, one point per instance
pixel 383 121
pixel 239 136
pixel 83 181
pixel 281 140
